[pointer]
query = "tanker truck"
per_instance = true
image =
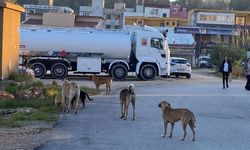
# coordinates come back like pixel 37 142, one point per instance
pixel 115 52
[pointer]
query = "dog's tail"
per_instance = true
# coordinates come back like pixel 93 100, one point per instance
pixel 193 121
pixel 89 97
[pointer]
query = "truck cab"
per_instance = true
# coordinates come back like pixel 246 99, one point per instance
pixel 152 53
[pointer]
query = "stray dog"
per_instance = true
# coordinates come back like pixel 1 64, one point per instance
pixel 70 91
pixel 83 96
pixel 126 96
pixel 170 115
pixel 102 80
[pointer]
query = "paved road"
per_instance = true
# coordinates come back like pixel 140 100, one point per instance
pixel 222 118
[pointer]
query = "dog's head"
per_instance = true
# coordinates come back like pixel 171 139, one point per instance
pixel 65 81
pixel 131 88
pixel 164 104
pixel 91 77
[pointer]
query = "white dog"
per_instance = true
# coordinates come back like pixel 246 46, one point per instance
pixel 70 91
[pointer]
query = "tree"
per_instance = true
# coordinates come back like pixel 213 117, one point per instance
pixel 235 54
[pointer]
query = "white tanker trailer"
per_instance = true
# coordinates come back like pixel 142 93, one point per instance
pixel 115 52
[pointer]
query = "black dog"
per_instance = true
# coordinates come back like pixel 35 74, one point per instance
pixel 83 96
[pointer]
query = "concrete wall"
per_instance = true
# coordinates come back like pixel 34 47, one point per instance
pixel 59 19
pixel 10 18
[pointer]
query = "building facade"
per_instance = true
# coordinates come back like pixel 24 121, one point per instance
pixel 212 27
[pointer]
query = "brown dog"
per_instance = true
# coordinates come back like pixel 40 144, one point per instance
pixel 170 115
pixel 70 91
pixel 126 96
pixel 102 80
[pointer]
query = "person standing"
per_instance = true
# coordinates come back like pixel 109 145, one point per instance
pixel 225 69
pixel 247 87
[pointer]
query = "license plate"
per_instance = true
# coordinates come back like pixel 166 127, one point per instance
pixel 180 70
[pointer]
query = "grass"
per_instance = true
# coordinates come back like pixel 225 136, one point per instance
pixel 6 104
pixel 18 119
pixel 45 112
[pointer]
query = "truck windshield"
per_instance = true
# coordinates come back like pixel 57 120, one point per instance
pixel 157 43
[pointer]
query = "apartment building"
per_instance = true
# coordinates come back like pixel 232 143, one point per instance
pixel 212 27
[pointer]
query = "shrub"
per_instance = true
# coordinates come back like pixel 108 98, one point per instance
pixel 234 54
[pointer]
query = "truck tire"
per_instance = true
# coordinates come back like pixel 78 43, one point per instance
pixel 119 72
pixel 59 71
pixel 148 72
pixel 39 69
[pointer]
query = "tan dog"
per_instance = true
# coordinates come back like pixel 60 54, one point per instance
pixel 102 80
pixel 126 96
pixel 170 115
pixel 70 90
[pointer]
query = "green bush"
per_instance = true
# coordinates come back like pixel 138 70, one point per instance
pixel 234 54
pixel 19 76
pixel 12 88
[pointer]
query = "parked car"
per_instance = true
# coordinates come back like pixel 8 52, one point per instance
pixel 204 62
pixel 180 67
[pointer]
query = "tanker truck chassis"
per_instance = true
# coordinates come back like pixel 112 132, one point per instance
pixel 92 51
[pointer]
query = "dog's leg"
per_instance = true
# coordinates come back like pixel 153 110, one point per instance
pixel 109 86
pixel 83 103
pixel 107 90
pixel 165 129
pixel 122 110
pixel 192 128
pixel 97 88
pixel 64 104
pixel 184 126
pixel 126 111
pixel 172 128
pixel 133 105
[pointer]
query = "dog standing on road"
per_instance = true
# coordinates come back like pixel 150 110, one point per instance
pixel 170 115
pixel 102 80
pixel 126 96
pixel 83 96
pixel 70 91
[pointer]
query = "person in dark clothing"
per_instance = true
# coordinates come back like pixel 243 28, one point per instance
pixel 225 69
pixel 247 87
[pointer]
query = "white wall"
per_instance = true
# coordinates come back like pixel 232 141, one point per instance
pixel 215 18
pixel 156 12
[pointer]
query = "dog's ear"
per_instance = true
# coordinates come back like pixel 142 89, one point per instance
pixel 159 105
pixel 169 105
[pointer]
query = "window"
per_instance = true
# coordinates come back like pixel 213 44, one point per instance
pixel 164 15
pixel 108 16
pixel 108 26
pixel 179 61
pixel 157 43
pixel 173 23
pixel 174 10
pixel 240 20
pixel 167 23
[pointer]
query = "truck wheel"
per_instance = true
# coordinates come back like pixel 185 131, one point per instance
pixel 39 69
pixel 59 70
pixel 148 72
pixel 119 72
